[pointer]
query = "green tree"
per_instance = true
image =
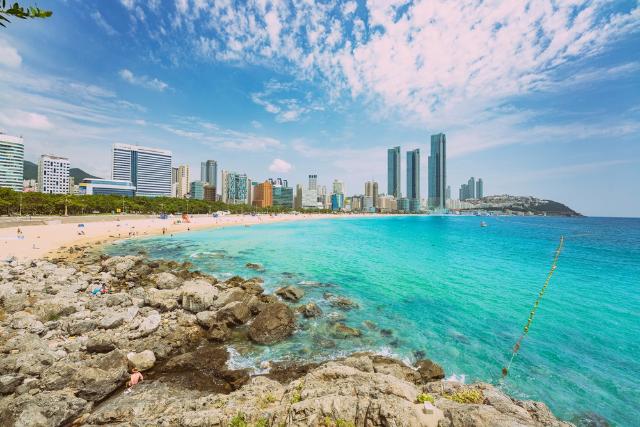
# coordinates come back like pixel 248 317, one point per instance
pixel 21 12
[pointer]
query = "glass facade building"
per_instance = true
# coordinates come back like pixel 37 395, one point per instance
pixel 209 172
pixel 282 196
pixel 197 190
pixel 149 169
pixel 337 201
pixel 11 161
pixel 438 172
pixel 235 188
pixel 393 172
pixel 413 177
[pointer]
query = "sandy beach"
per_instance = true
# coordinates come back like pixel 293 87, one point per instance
pixel 37 241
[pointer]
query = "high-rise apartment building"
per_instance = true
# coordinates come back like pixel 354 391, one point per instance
pixel 11 161
pixel 479 189
pixel 393 172
pixel 437 172
pixel 235 188
pixel 149 169
pixel 338 187
pixel 53 174
pixel 471 188
pixel 263 195
pixel 313 182
pixel 371 190
pixel 184 181
pixel 209 172
pixel 448 193
pixel 413 177
pixel 282 196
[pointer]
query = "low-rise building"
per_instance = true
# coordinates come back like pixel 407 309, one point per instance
pixel 96 186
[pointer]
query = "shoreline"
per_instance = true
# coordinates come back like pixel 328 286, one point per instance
pixel 43 241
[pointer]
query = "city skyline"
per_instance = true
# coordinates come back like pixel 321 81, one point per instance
pixel 533 124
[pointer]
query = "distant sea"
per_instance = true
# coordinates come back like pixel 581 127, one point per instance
pixel 456 292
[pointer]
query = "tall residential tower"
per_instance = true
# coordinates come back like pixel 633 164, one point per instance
pixel 209 172
pixel 11 161
pixel 393 172
pixel 438 171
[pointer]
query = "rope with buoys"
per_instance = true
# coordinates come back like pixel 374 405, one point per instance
pixel 516 347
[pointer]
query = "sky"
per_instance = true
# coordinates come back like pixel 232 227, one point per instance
pixel 538 98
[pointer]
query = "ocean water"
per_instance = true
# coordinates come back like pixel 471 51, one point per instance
pixel 457 292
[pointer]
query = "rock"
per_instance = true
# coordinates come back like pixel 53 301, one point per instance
pixel 120 298
pixel 150 324
pixel 141 361
pixel 198 295
pixel 120 265
pixel 253 266
pixel 230 295
pixel 100 345
pixel 206 318
pixel 8 383
pixel 274 323
pixel 53 309
pixel 252 286
pixel 310 310
pixel 343 303
pixel 46 409
pixel 81 327
pixel 218 332
pixel 340 330
pixel 164 300
pixel 290 293
pixel 429 371
pixel 396 368
pixel 234 314
pixel 166 280
pixel 111 320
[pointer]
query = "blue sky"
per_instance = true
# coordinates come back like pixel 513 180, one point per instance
pixel 538 98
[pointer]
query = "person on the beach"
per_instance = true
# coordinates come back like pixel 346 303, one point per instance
pixel 136 377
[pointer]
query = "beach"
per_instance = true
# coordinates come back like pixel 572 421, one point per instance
pixel 36 241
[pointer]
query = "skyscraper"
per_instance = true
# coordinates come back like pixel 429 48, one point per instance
pixel 209 172
pixel 338 187
pixel 263 195
pixel 11 161
pixel 437 171
pixel 393 172
pixel 149 169
pixel 235 190
pixel 313 182
pixel 53 175
pixel 413 174
pixel 184 180
pixel 371 190
pixel 471 188
pixel 479 189
pixel 448 193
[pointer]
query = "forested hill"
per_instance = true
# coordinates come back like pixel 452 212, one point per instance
pixel 31 172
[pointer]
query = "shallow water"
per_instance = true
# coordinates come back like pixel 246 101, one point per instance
pixel 457 292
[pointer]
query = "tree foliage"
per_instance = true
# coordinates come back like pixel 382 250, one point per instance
pixel 21 12
pixel 13 202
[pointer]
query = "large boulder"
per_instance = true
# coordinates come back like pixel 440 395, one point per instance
pixel 163 300
pixel 206 318
pixel 141 361
pixel 198 295
pixel 290 293
pixel 310 310
pixel 234 314
pixel 230 295
pixel 166 280
pixel 111 320
pixel 149 324
pixel 45 409
pixel 274 323
pixel 429 371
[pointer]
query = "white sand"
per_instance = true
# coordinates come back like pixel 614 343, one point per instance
pixel 40 240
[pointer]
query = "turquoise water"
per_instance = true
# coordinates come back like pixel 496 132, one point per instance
pixel 457 292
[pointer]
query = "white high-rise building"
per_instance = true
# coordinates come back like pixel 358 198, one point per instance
pixel 11 161
pixel 53 175
pixel 149 169
pixel 338 187
pixel 184 181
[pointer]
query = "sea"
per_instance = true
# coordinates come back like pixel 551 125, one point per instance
pixel 448 289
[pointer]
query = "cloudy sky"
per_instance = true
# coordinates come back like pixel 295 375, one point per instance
pixel 536 97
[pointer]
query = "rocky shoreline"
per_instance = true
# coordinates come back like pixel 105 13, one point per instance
pixel 66 355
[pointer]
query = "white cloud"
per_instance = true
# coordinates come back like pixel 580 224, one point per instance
pixel 9 56
pixel 102 23
pixel 280 166
pixel 129 4
pixel 25 120
pixel 143 81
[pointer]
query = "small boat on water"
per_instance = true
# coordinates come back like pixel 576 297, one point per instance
pixel 483 224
